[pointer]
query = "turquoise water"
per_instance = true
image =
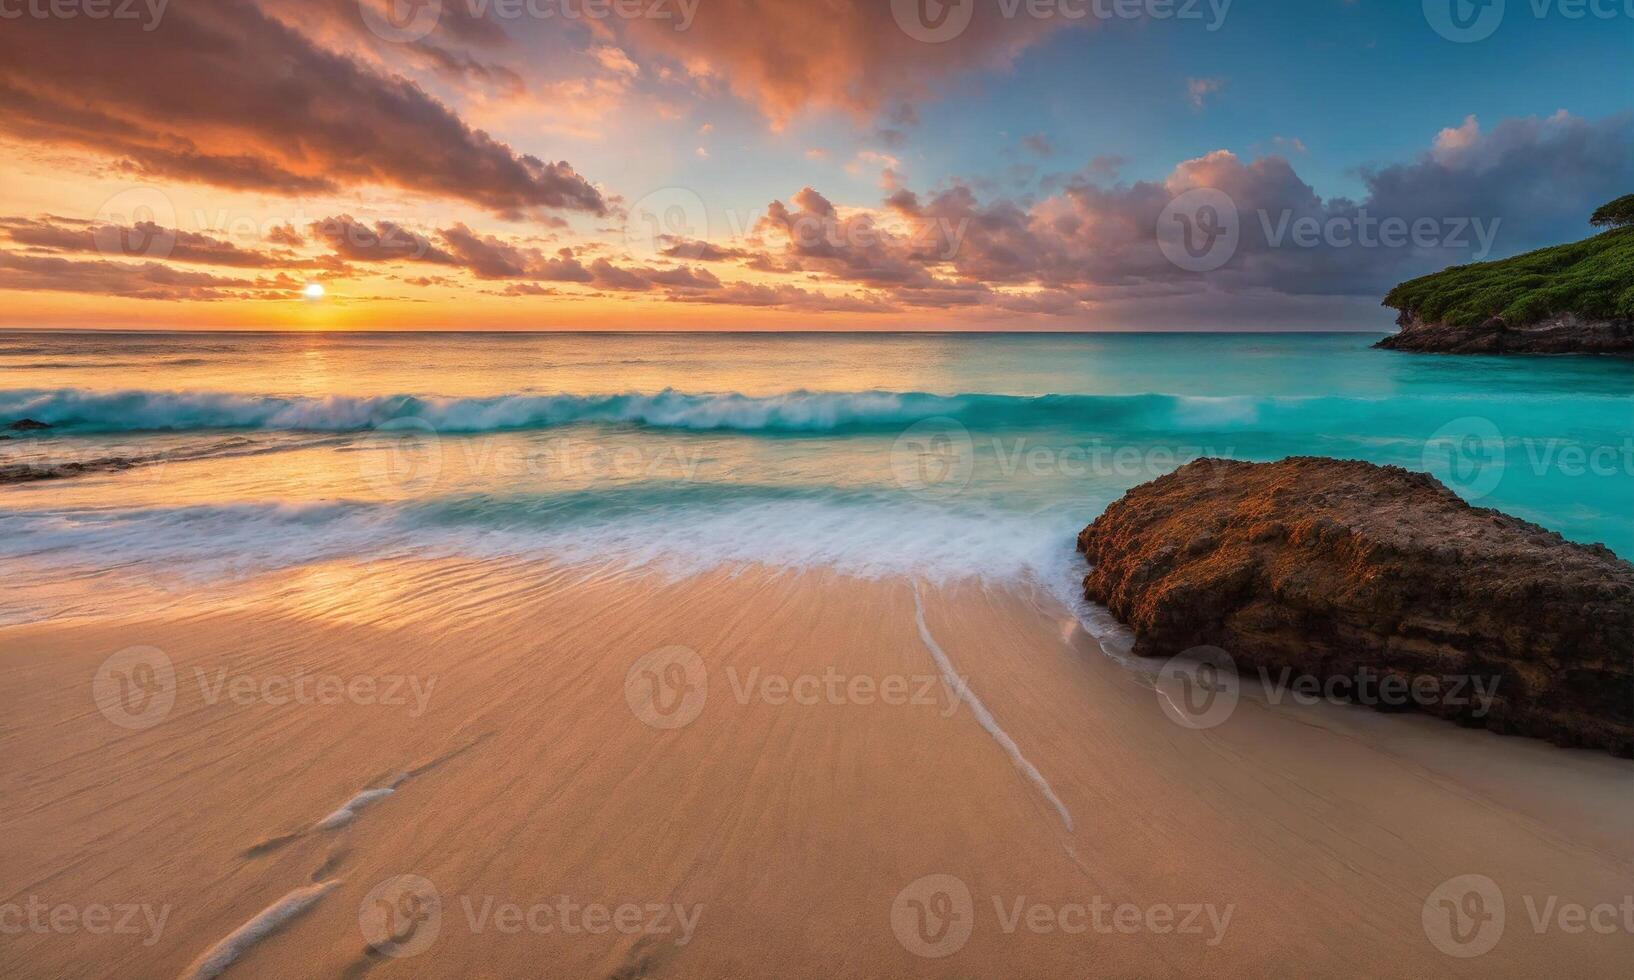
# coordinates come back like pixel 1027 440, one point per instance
pixel 934 454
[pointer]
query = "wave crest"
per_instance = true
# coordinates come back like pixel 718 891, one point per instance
pixel 78 411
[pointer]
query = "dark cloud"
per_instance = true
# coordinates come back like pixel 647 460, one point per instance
pixel 146 239
pixel 1473 195
pixel 286 235
pixel 676 247
pixel 525 289
pixel 145 280
pixel 785 297
pixel 1543 177
pixel 224 94
pixel 486 256
pixel 384 241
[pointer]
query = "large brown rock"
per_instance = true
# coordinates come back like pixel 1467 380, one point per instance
pixel 1333 567
pixel 1567 333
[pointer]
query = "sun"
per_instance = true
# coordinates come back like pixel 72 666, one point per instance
pixel 313 290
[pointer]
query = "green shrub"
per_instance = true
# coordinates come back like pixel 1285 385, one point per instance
pixel 1594 277
pixel 1615 214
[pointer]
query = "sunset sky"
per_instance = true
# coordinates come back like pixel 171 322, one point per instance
pixel 744 164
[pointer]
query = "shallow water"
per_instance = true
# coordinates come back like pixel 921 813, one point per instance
pixel 942 455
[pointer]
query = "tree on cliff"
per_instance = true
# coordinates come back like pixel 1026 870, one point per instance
pixel 1616 214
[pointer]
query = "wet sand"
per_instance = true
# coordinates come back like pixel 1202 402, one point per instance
pixel 492 769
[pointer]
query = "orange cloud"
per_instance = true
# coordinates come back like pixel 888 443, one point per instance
pixel 223 94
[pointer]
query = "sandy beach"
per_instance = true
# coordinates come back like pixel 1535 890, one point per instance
pixel 495 768
pixel 853 490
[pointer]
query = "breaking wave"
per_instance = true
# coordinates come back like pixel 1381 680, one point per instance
pixel 79 411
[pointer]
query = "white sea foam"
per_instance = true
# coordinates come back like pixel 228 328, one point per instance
pixel 869 538
pixel 350 809
pixel 984 717
pixel 798 411
pixel 792 412
pixel 219 957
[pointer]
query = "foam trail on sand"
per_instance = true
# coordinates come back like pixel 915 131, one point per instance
pixel 349 811
pixel 219 957
pixel 983 716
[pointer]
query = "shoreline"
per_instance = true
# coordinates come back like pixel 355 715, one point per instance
pixel 794 811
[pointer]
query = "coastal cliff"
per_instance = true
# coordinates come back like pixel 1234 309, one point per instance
pixel 1334 567
pixel 1565 333
pixel 1569 299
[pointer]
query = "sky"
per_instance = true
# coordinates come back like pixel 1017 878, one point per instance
pixel 812 164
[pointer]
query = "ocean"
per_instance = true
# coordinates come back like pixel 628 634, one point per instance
pixel 946 456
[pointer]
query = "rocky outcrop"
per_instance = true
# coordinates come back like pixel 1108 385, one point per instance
pixel 32 472
pixel 1567 333
pixel 26 425
pixel 1336 568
